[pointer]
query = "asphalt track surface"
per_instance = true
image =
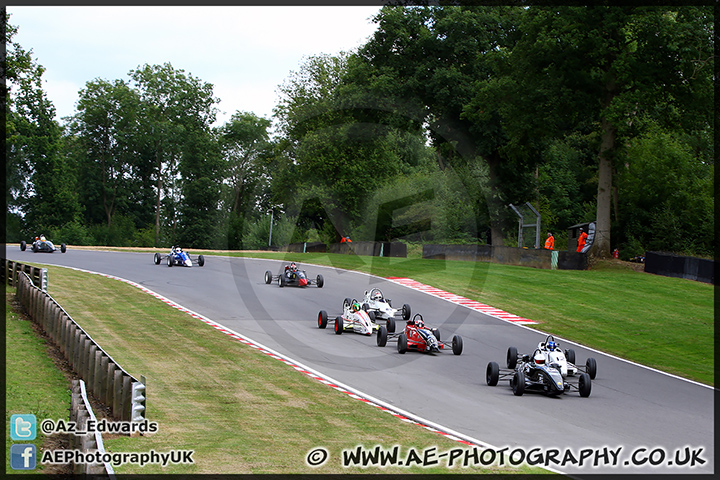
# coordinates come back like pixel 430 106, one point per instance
pixel 635 409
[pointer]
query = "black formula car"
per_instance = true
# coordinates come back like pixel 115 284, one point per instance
pixel 291 276
pixel 41 244
pixel 533 373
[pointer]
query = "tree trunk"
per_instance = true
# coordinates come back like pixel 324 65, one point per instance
pixel 495 206
pixel 601 244
pixel 159 194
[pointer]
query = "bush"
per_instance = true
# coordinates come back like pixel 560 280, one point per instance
pixel 73 233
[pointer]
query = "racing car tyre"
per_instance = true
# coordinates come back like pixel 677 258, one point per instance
pixel 281 280
pixel 338 326
pixel 584 385
pixel 457 344
pixel 320 281
pixel 23 245
pixel 382 336
pixel 63 248
pixel 402 343
pixel 268 276
pixel 518 383
pixel 511 358
pixel 391 325
pixel 170 260
pixel 365 307
pixel 591 367
pixel 436 332
pixel 492 374
pixel 156 258
pixel 570 355
pixel 406 311
pixel 371 316
pixel 34 248
pixel 201 260
pixel 322 319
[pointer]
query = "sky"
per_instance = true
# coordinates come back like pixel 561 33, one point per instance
pixel 246 52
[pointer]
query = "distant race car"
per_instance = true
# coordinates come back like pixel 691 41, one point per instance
pixel 417 336
pixel 178 256
pixel 41 244
pixel 534 373
pixel 291 276
pixel 353 319
pixel 376 302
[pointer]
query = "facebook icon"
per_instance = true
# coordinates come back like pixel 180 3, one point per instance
pixel 23 456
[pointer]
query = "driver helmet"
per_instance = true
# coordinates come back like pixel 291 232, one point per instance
pixel 551 345
pixel 179 249
pixel 539 358
pixel 356 307
pixel 293 267
pixel 42 237
pixel 420 323
pixel 377 295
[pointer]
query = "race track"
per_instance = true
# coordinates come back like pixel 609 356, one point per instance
pixel 631 408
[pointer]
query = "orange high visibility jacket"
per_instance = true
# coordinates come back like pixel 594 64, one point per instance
pixel 550 243
pixel 581 241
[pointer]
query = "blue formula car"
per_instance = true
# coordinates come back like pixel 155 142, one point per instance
pixel 178 256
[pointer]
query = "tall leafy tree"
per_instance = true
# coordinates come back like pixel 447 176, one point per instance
pixel 430 60
pixel 175 116
pixel 244 142
pixel 607 72
pixel 333 153
pixel 106 126
pixel 41 185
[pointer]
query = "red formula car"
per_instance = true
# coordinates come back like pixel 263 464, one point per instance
pixel 417 336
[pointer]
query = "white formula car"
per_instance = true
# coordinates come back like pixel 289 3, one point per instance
pixel 352 319
pixel 382 307
pixel 561 360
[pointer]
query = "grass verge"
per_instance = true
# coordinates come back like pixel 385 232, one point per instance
pixel 239 410
pixel 34 385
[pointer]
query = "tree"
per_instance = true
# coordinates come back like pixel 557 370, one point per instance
pixel 244 142
pixel 106 127
pixel 41 186
pixel 334 152
pixel 432 61
pixel 174 107
pixel 611 71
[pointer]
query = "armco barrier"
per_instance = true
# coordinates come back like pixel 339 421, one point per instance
pixel 538 258
pixel 107 380
pixel 691 268
pixel 11 270
pixel 80 413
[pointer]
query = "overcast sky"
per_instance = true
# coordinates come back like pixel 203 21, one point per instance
pixel 246 52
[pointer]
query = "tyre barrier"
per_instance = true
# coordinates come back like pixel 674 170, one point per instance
pixel 122 393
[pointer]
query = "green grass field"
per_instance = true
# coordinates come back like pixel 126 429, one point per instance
pixel 33 385
pixel 224 411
